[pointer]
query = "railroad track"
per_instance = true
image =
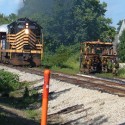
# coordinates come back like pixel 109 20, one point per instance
pixel 112 86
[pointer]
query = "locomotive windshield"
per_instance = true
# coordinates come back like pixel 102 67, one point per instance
pixel 21 23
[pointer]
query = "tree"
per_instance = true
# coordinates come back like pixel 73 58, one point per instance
pixel 108 35
pixel 67 22
pixel 119 25
pixel 12 17
pixel 90 21
pixel 121 47
pixel 3 19
pixel 7 19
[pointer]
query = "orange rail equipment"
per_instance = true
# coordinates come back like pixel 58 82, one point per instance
pixel 45 97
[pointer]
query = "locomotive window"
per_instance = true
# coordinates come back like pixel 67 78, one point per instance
pixel 20 26
pixel 11 26
pixel 32 27
pixel 98 50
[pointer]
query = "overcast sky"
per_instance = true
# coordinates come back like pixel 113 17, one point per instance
pixel 115 8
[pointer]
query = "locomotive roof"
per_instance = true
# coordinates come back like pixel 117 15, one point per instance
pixel 21 20
pixel 97 43
pixel 3 28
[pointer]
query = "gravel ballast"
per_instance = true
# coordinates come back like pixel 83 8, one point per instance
pixel 97 108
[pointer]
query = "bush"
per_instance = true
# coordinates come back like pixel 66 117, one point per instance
pixel 73 61
pixel 121 73
pixel 8 81
pixel 64 57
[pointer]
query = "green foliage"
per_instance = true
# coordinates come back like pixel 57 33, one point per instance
pixel 58 59
pixel 121 73
pixel 121 47
pixel 67 22
pixel 73 61
pixel 8 81
pixel 62 56
pixel 32 114
pixel 3 19
pixel 7 19
pixel 108 35
pixel 119 25
pixel 105 75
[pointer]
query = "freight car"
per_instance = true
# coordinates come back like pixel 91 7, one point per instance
pixel 22 43
pixel 97 56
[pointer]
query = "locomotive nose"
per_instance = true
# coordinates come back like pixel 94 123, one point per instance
pixel 26 31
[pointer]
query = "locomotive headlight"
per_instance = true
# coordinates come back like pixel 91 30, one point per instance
pixel 27 31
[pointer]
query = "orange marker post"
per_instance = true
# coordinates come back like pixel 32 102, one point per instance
pixel 45 97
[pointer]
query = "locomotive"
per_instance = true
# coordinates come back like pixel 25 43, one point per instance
pixel 97 57
pixel 22 43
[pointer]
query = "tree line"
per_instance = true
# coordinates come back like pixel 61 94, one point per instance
pixel 67 22
pixel 7 19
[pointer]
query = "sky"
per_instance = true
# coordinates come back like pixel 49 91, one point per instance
pixel 9 6
pixel 115 8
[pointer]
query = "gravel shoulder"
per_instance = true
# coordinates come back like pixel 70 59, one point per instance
pixel 91 106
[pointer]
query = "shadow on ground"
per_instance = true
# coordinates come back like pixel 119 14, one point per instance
pixel 29 102
pixel 54 95
pixel 7 117
pixel 56 119
pixel 96 121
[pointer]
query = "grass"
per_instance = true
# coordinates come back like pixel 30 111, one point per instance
pixel 8 117
pixel 121 74
pixel 33 114
pixel 105 75
pixel 25 101
pixel 70 66
pixel 16 100
pixel 27 105
pixel 65 70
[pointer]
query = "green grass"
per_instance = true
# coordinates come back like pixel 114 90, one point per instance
pixel 65 70
pixel 8 81
pixel 71 66
pixel 18 101
pixel 8 117
pixel 24 104
pixel 33 114
pixel 121 73
pixel 105 75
